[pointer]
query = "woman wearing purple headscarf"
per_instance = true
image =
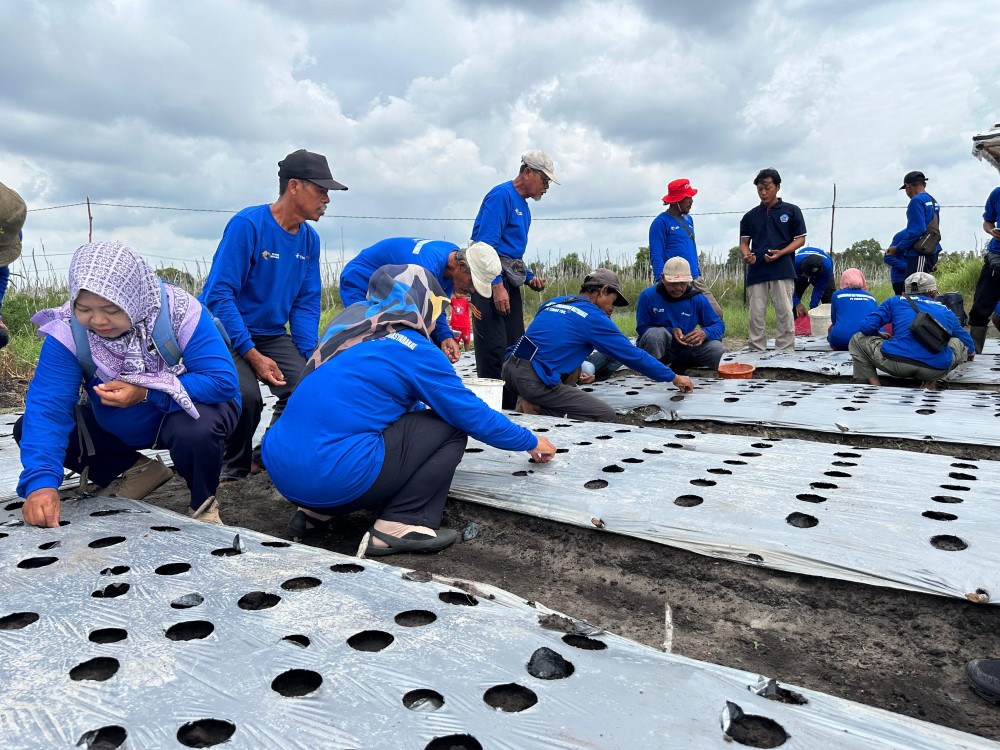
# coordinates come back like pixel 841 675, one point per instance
pixel 134 399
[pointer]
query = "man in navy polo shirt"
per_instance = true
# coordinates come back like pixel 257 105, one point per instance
pixel 769 236
pixel 988 286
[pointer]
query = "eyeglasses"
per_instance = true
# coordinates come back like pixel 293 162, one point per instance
pixel 321 190
pixel 545 177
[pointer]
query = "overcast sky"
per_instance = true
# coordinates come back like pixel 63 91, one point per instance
pixel 423 106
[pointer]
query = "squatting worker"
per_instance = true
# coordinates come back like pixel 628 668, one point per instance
pixel 103 338
pixel 565 330
pixel 350 437
pixel 502 223
pixel 264 276
pixel 903 355
pixel 769 236
pixel 465 271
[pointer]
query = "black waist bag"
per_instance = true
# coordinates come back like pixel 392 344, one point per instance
pixel 928 331
pixel 927 243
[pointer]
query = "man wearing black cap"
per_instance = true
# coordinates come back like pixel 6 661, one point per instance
pixel 813 266
pixel 923 215
pixel 265 274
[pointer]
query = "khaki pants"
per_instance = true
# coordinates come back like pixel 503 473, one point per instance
pixel 866 351
pixel 780 292
pixel 700 285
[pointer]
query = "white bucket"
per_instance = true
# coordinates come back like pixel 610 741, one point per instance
pixel 489 390
pixel 820 320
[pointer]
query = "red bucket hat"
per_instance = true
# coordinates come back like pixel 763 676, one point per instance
pixel 679 190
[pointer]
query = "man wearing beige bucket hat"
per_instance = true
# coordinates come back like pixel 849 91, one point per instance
pixel 502 223
pixel 12 215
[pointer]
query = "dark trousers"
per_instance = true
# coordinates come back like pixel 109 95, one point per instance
pixel 240 451
pixel 897 287
pixel 555 401
pixel 917 263
pixel 801 286
pixel 986 297
pixel 422 452
pixel 195 446
pixel 494 333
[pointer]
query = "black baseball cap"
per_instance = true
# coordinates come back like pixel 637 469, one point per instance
pixel 305 165
pixel 913 178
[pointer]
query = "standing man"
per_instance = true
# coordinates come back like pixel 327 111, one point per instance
pixel 812 266
pixel 502 223
pixel 671 235
pixel 987 293
pixel 465 271
pixel 922 214
pixel 769 236
pixel 676 324
pixel 265 274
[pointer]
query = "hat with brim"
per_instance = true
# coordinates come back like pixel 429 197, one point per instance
pixel 305 165
pixel 675 270
pixel 607 277
pixel 919 282
pixel 678 190
pixel 541 162
pixel 484 265
pixel 13 212
pixel 913 178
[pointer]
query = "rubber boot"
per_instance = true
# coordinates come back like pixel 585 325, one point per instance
pixel 978 334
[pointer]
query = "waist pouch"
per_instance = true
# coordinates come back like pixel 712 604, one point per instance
pixel 927 243
pixel 514 270
pixel 524 349
pixel 926 329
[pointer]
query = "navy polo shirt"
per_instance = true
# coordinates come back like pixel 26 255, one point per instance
pixel 769 229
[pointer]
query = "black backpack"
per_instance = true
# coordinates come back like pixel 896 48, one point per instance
pixel 956 303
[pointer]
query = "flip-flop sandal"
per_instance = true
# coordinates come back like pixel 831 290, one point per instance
pixel 303 527
pixel 412 542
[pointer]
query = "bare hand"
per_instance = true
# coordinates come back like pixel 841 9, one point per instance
pixel 537 284
pixel 543 452
pixel 451 349
pixel 41 508
pixel 772 255
pixel 750 258
pixel 585 379
pixel 695 338
pixel 995 232
pixel 892 250
pixel 972 356
pixel 265 368
pixel 683 383
pixel 678 335
pixel 501 300
pixel 120 394
pixel 800 310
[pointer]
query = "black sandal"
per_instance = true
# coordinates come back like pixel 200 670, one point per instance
pixel 412 542
pixel 303 527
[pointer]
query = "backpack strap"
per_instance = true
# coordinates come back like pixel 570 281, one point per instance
pixel 83 355
pixel 163 333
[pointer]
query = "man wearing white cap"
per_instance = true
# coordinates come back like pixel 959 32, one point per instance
pixel 470 270
pixel 927 340
pixel 502 223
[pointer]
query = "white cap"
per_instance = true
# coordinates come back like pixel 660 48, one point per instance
pixel 540 160
pixel 484 265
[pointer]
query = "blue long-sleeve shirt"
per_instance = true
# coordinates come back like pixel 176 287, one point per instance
pixel 4 281
pixel 669 239
pixel 820 281
pixel 263 277
pixel 429 254
pixel 567 329
pixel 503 222
pixel 848 308
pixel 327 449
pixel 897 267
pixel 919 212
pixel 897 311
pixel 49 414
pixel 657 309
pixel 992 213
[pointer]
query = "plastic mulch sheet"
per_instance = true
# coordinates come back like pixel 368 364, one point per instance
pixel 954 416
pixel 882 517
pixel 134 627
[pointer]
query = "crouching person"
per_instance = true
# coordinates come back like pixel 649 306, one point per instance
pixel 109 336
pixel 904 355
pixel 564 332
pixel 677 324
pixel 350 439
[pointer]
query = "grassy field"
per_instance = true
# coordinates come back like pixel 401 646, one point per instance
pixel 29 291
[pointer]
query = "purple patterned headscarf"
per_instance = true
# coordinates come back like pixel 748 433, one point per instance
pixel 120 275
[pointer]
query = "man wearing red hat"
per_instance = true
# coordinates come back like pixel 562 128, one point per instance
pixel 671 235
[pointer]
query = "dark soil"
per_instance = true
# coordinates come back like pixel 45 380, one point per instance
pixel 900 651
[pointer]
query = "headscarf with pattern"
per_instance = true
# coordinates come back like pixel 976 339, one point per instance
pixel 120 275
pixel 398 297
